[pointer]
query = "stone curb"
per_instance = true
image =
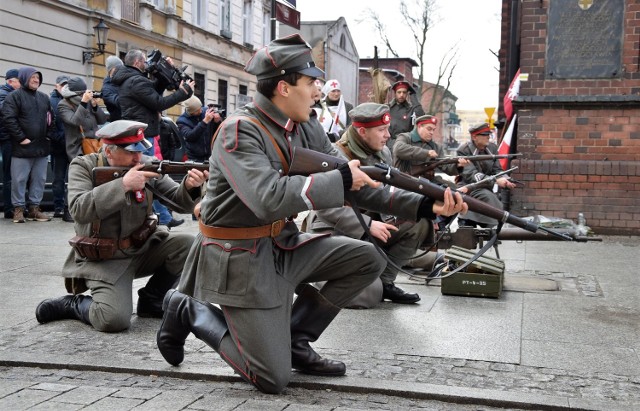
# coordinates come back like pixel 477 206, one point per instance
pixel 358 385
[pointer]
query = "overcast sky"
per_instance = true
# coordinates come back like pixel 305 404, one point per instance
pixel 473 24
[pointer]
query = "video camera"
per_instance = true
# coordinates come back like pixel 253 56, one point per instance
pixel 159 68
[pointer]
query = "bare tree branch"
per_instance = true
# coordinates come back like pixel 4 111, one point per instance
pixel 381 29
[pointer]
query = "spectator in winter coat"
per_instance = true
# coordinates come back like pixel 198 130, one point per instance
pixel 110 92
pixel 11 83
pixel 197 126
pixel 30 121
pixel 81 116
pixel 59 161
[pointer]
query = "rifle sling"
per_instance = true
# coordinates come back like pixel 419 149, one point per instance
pixel 372 240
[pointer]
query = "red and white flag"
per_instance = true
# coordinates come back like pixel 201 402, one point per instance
pixel 505 145
pixel 512 94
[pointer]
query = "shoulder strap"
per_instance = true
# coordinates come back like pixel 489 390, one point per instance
pixel 285 164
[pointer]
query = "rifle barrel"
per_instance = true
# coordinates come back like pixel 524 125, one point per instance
pixel 305 162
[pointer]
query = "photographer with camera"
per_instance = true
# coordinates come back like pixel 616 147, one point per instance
pixel 141 98
pixel 197 126
pixel 81 116
pixel 142 84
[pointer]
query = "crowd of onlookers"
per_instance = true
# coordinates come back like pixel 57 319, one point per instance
pixel 36 129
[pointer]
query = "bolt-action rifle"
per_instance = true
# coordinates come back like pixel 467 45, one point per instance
pixel 428 169
pixel 105 174
pixel 305 162
pixel 489 180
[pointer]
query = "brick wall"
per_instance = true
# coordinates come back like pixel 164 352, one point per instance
pixel 580 138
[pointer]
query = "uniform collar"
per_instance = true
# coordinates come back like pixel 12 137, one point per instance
pixel 272 112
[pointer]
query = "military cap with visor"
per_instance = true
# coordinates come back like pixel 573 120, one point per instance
pixel 369 115
pixel 403 84
pixel 480 130
pixel 127 134
pixel 283 56
pixel 427 119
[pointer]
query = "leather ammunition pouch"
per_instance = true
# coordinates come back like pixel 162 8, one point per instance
pixel 94 248
pixel 142 233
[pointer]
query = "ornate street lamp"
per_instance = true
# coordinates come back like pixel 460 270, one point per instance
pixel 100 30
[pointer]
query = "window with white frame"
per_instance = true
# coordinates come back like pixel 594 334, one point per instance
pixel 199 12
pixel 266 26
pixel 225 18
pixel 247 22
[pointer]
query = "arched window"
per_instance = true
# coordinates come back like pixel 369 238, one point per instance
pixel 343 42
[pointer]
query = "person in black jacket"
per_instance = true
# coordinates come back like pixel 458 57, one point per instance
pixel 197 126
pixel 30 121
pixel 11 83
pixel 59 160
pixel 110 92
pixel 141 99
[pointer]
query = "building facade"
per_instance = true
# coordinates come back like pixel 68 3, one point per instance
pixel 578 113
pixel 213 39
pixel 334 52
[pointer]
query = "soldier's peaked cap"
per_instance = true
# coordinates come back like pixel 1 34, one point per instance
pixel 402 84
pixel 480 130
pixel 125 133
pixel 369 115
pixel 282 56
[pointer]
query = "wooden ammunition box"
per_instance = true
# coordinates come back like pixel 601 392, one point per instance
pixel 483 278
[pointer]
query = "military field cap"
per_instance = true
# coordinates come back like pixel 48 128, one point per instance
pixel 370 115
pixel 427 119
pixel 11 73
pixel 62 80
pixel 480 130
pixel 402 84
pixel 125 133
pixel 282 56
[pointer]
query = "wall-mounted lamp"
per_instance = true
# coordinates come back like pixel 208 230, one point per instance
pixel 100 30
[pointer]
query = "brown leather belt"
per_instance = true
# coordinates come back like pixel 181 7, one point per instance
pixel 242 233
pixel 124 243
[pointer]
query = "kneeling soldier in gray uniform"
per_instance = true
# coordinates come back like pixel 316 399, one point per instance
pixel 249 256
pixel 117 237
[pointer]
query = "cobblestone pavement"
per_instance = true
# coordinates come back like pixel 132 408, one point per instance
pixel 44 389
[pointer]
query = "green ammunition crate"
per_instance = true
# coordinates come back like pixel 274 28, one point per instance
pixel 483 278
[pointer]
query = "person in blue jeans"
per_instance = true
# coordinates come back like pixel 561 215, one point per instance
pixel 11 83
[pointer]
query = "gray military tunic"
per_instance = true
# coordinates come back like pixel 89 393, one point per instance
pixel 409 149
pixel 476 171
pixel 120 214
pixel 253 279
pixel 403 243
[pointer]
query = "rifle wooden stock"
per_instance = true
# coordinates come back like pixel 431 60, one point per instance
pixel 305 162
pixel 105 174
pixel 427 170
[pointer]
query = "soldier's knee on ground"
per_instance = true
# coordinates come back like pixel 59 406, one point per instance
pixel 109 319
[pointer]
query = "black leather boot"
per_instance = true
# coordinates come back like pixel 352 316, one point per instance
pixel 69 307
pixel 311 314
pixel 398 295
pixel 150 297
pixel 182 315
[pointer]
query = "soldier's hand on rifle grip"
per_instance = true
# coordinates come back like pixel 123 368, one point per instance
pixel 451 205
pixel 134 179
pixel 432 154
pixel 505 183
pixel 360 179
pixel 463 162
pixel 195 178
